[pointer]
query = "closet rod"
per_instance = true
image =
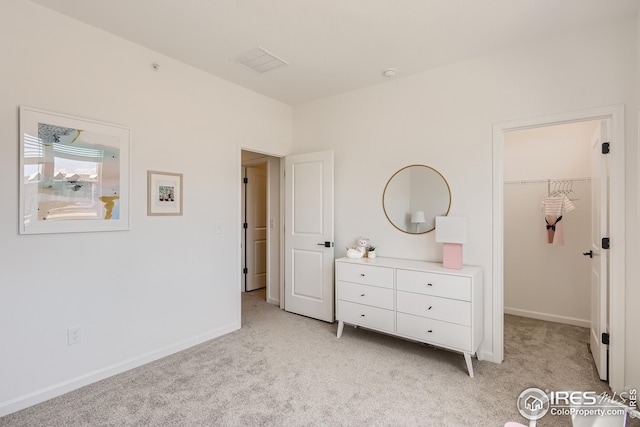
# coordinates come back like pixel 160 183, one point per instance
pixel 548 181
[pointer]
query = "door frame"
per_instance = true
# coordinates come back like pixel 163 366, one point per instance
pixel 617 268
pixel 271 236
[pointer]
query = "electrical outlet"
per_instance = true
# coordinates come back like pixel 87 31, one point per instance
pixel 73 335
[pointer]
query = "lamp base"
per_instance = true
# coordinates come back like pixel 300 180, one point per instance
pixel 452 256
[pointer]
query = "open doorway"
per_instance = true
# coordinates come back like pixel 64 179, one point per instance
pixel 311 175
pixel 260 234
pixel 555 213
pixel 546 275
pixel 616 207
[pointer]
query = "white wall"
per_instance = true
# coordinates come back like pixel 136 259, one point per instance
pixel 444 118
pixel 542 280
pixel 169 282
pixel 274 254
pixel 633 232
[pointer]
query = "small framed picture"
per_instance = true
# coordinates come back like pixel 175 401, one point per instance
pixel 164 193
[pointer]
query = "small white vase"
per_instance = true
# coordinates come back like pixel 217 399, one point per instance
pixel 371 254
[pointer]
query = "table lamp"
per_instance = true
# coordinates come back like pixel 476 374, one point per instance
pixel 452 232
pixel 418 218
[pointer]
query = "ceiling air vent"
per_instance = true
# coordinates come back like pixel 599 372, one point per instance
pixel 260 60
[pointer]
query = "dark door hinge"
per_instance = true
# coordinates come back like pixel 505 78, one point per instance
pixel 245 225
pixel 245 180
pixel 605 338
pixel 605 243
pixel 606 148
pixel 245 270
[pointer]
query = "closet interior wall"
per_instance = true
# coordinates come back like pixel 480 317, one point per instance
pixel 542 280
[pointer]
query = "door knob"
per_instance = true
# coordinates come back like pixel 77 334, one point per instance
pixel 589 254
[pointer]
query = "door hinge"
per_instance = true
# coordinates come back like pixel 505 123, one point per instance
pixel 605 243
pixel 245 270
pixel 245 225
pixel 605 338
pixel 245 180
pixel 605 148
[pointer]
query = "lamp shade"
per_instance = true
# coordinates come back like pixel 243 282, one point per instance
pixel 451 229
pixel 418 217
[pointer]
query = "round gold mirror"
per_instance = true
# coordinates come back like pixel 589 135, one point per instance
pixel 413 198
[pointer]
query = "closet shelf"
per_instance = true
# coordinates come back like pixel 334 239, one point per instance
pixel 554 186
pixel 548 181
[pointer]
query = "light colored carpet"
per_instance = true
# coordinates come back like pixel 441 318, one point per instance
pixel 281 369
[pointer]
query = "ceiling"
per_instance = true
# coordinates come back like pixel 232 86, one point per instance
pixel 334 46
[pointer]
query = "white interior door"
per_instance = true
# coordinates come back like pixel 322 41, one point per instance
pixel 599 256
pixel 256 231
pixel 309 253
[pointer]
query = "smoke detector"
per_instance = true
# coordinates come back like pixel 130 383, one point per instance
pixel 389 72
pixel 260 60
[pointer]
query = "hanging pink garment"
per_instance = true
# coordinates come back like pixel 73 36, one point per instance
pixel 553 207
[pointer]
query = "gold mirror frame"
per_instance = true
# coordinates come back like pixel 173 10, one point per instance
pixel 410 190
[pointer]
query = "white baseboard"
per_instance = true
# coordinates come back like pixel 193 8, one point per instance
pixel 487 356
pixel 38 396
pixel 548 317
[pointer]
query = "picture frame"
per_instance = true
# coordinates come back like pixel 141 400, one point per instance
pixel 164 193
pixel 74 174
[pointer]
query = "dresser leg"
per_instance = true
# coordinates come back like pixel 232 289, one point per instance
pixel 467 358
pixel 340 328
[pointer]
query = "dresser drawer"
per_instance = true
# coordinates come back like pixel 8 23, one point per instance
pixel 441 285
pixel 434 331
pixel 365 274
pixel 449 310
pixel 365 315
pixel 365 294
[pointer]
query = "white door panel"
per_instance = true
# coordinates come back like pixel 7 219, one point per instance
pixel 309 287
pixel 308 264
pixel 256 220
pixel 307 197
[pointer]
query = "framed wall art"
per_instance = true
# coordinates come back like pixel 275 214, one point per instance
pixel 74 174
pixel 164 193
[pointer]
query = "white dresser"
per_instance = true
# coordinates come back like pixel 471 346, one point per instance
pixel 420 301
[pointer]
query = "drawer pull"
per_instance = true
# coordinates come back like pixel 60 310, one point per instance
pixel 430 307
pixel 361 295
pixel 430 330
pixel 362 315
pixel 362 274
pixel 429 284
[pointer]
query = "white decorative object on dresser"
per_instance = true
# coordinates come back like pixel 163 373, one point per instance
pixel 416 300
